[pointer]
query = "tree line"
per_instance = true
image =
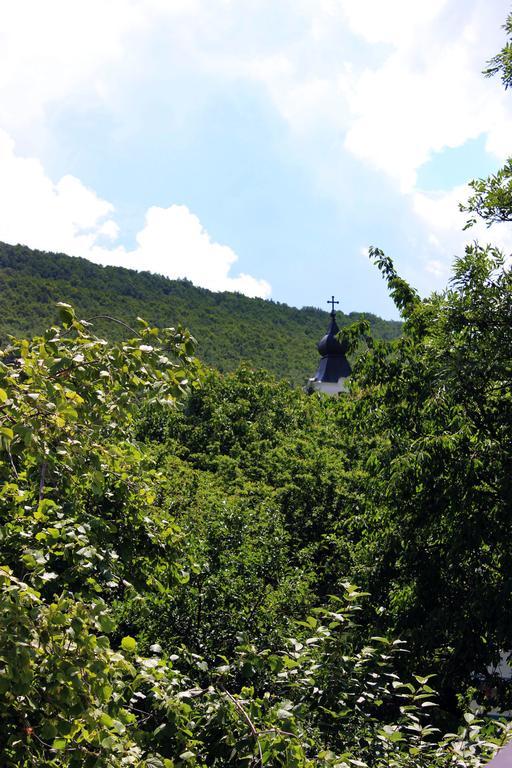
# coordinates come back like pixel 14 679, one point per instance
pixel 230 328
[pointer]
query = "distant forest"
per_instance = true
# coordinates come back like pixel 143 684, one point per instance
pixel 230 328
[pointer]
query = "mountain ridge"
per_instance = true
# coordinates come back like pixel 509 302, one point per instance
pixel 230 328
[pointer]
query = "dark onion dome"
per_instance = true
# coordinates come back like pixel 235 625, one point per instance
pixel 334 364
pixel 329 344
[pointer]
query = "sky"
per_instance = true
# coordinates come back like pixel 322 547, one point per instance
pixel 257 146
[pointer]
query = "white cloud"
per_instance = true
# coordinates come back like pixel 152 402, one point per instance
pixel 55 50
pixel 67 216
pixel 437 268
pixel 439 212
pixel 399 79
pixel 173 242
pixel 428 93
pixel 57 54
pixel 408 85
pixel 51 216
pixel 394 21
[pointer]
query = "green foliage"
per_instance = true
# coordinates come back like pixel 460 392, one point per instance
pixel 251 476
pixel 87 525
pixel 404 296
pixel 403 484
pixel 492 197
pixel 430 425
pixel 67 404
pixel 231 328
pixel 502 63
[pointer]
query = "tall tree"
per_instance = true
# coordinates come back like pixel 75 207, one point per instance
pixel 491 200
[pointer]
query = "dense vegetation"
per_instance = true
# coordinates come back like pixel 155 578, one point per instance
pixel 230 328
pixel 178 545
pixel 174 585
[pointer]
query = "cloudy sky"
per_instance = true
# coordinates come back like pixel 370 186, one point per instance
pixel 251 145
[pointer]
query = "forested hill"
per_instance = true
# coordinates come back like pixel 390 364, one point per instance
pixel 229 327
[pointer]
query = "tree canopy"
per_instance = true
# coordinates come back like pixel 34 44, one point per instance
pixel 166 572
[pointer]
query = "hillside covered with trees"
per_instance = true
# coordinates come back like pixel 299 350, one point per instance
pixel 229 327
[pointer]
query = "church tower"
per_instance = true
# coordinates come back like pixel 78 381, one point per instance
pixel 334 368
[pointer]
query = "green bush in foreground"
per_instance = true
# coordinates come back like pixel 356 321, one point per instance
pixel 82 528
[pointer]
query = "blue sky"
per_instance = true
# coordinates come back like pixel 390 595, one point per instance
pixel 258 146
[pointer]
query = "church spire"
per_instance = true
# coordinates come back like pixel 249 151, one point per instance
pixel 334 368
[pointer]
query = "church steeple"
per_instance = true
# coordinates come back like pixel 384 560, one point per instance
pixel 334 368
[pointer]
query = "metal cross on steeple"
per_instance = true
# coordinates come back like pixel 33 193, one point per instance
pixel 332 303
